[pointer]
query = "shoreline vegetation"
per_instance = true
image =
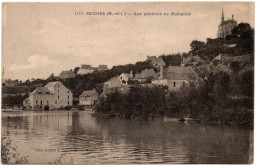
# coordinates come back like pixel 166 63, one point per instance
pixel 224 94
pixel 212 101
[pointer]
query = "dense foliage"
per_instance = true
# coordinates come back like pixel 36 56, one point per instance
pixel 139 102
pixel 220 98
pixel 14 100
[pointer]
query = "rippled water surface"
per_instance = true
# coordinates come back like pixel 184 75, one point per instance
pixel 80 138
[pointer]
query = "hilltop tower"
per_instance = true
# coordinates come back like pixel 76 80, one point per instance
pixel 225 27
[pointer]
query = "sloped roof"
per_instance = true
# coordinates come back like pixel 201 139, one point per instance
pixel 158 61
pixel 89 93
pixel 192 58
pixel 67 72
pixel 217 57
pixel 178 76
pixel 145 74
pixel 196 58
pixel 51 76
pixel 151 58
pixel 179 73
pixel 51 84
pixel 113 82
pixel 40 90
pixel 186 60
pixel 179 69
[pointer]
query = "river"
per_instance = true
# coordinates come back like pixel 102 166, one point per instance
pixel 79 138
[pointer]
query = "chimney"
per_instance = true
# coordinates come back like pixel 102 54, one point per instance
pixel 232 17
pixel 131 74
pixel 161 72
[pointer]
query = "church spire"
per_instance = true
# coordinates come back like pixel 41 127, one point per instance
pixel 222 19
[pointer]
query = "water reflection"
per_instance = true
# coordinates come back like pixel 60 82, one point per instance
pixel 94 140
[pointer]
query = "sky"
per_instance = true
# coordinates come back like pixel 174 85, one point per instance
pixel 43 38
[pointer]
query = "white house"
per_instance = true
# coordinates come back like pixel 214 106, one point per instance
pixel 125 77
pixel 51 96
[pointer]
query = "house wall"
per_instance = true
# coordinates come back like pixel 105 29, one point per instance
pixel 160 82
pixel 84 100
pixel 84 71
pixel 172 84
pixel 112 83
pixel 41 100
pixel 124 79
pixel 175 84
pixel 62 96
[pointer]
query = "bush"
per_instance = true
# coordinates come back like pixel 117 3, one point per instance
pixel 9 153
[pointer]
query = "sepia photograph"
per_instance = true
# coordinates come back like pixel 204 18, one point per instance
pixel 127 83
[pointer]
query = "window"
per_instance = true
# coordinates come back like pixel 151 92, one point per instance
pixel 68 91
pixel 68 102
pixel 58 91
pixel 174 84
pixel 58 86
pixel 68 97
pixel 36 102
pixel 41 102
pixel 58 97
pixel 56 102
pixel 47 102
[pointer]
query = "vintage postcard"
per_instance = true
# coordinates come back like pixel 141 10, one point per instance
pixel 128 83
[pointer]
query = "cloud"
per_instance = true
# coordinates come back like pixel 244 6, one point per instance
pixel 34 61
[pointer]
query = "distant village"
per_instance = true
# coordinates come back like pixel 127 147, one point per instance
pixel 55 95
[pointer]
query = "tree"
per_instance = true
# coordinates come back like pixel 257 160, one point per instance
pixel 172 59
pixel 243 30
pixel 76 69
pixel 197 45
pixel 184 55
pixel 235 66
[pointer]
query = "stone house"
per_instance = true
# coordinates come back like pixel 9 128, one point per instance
pixel 102 68
pixel 112 85
pixel 85 69
pixel 125 77
pixel 67 74
pixel 145 75
pixel 175 76
pixel 158 62
pixel 191 60
pixel 88 98
pixel 150 58
pixel 51 96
